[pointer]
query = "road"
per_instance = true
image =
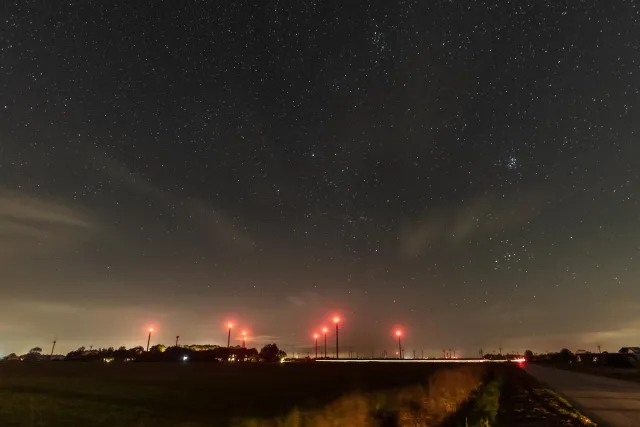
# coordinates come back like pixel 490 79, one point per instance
pixel 608 401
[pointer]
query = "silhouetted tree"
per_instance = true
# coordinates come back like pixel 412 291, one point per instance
pixel 251 355
pixel 528 355
pixel 76 355
pixel 565 355
pixel 122 353
pixel 177 354
pixel 158 348
pixel 160 353
pixel 201 347
pixel 33 355
pixel 271 353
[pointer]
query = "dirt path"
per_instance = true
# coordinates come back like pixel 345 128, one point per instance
pixel 611 402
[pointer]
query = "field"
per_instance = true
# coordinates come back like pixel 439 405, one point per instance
pixel 314 394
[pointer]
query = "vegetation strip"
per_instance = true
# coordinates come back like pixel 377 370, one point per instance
pixel 446 392
pixel 485 406
pixel 528 403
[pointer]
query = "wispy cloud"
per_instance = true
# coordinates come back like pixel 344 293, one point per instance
pixel 266 339
pixel 215 225
pixel 626 335
pixel 30 224
pixel 587 325
pixel 610 339
pixel 439 227
pixel 304 299
pixel 20 207
pixel 297 301
pixel 218 227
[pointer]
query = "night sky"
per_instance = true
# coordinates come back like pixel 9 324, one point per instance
pixel 467 170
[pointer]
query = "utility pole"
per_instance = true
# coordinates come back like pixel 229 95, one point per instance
pixel 500 351
pixel 337 350
pixel 325 341
pixel 599 349
pixel 177 338
pixel 53 347
pixel 316 338
pixel 414 354
pixel 422 357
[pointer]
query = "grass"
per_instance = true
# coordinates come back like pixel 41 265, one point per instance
pixel 180 395
pixel 526 401
pixel 562 406
pixel 485 406
pixel 420 405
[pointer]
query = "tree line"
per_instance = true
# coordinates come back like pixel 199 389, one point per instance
pixel 161 353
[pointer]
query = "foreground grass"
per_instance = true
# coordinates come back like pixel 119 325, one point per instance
pixel 561 406
pixel 485 406
pixel 172 395
pixel 525 401
pixel 423 405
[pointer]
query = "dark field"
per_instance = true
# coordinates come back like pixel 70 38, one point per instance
pixel 66 393
pixel 359 394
